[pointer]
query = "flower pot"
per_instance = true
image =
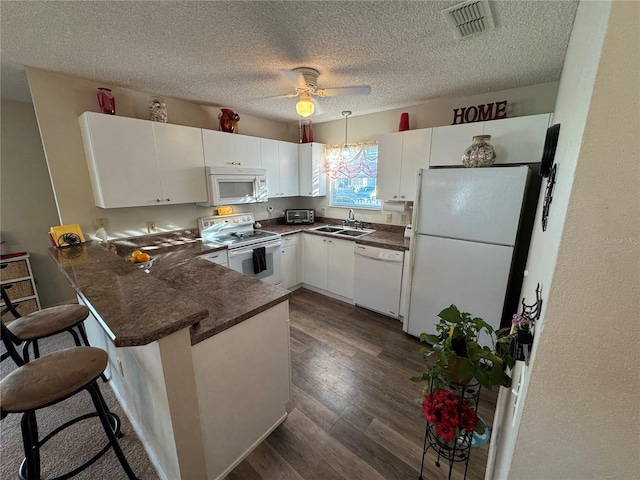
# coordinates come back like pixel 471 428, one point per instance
pixel 454 368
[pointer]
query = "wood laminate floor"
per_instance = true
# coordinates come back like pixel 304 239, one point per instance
pixel 353 412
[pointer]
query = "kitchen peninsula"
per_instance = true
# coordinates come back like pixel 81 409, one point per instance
pixel 198 353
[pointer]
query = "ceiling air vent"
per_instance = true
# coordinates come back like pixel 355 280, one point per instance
pixel 469 18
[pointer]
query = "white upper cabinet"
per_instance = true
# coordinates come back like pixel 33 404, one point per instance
pixel 400 155
pixel 313 179
pixel 280 159
pixel 180 162
pixel 389 166
pixel 289 169
pixel 126 169
pixel 515 140
pixel 519 139
pixel 223 149
pixel 270 162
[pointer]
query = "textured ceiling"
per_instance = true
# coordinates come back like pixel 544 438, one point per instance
pixel 229 53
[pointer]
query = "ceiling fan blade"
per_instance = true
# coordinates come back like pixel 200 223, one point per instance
pixel 295 79
pixel 344 91
pixel 318 110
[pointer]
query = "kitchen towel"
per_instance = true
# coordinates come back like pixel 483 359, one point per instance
pixel 259 259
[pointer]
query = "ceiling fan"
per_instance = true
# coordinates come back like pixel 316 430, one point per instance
pixel 305 81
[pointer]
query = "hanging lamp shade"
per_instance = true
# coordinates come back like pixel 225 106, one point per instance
pixel 305 107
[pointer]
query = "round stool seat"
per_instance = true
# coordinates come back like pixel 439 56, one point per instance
pixel 46 322
pixel 51 378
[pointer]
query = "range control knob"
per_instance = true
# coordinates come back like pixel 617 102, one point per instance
pixel 206 224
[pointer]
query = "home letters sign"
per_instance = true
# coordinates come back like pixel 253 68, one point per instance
pixel 480 113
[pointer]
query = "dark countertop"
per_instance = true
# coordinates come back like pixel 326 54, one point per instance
pixel 379 238
pixel 179 291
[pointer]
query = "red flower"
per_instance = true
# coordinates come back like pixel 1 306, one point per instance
pixel 449 412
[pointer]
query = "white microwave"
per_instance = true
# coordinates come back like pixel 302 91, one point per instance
pixel 235 185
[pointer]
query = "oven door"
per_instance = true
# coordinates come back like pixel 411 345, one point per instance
pixel 241 260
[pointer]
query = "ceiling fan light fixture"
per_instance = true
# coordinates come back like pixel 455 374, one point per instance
pixel 305 107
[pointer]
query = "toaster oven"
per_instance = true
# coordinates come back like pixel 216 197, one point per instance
pixel 298 216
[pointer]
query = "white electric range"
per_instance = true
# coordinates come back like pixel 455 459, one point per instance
pixel 245 245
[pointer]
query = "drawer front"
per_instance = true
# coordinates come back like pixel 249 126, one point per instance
pixel 11 270
pixel 23 308
pixel 20 289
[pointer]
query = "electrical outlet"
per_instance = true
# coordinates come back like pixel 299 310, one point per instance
pixel 389 217
pixel 151 227
pixel 403 218
pixel 323 212
pixel 101 223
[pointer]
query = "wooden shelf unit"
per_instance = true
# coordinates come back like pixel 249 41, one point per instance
pixel 24 295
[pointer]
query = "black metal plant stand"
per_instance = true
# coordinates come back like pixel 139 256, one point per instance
pixel 459 449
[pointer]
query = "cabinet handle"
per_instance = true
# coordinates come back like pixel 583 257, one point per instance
pixel 236 163
pixel 395 196
pixel 168 199
pixel 401 196
pixel 324 240
pixel 158 199
pixel 310 193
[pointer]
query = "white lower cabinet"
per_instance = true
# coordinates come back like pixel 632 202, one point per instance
pixel 290 260
pixel 329 264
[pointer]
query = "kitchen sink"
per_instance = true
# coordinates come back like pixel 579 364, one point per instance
pixel 352 233
pixel 327 229
pixel 342 231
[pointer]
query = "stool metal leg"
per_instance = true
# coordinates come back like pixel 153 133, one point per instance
pixel 92 388
pixel 30 468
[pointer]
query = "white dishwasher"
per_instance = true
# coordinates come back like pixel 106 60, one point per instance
pixel 378 279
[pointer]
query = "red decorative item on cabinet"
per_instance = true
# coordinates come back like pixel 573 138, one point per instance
pixel 228 120
pixel 305 139
pixel 404 122
pixel 106 101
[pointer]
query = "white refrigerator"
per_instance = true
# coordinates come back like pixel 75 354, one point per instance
pixel 465 225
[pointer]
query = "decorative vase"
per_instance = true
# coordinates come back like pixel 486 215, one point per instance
pixel 404 122
pixel 480 153
pixel 228 120
pixel 106 100
pixel 158 109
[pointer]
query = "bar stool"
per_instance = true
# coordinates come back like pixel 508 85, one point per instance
pixel 46 381
pixel 28 329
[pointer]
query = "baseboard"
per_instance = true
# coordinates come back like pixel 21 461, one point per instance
pixel 251 448
pixel 326 293
pixel 154 460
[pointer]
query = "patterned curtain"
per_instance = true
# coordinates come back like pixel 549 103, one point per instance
pixel 357 160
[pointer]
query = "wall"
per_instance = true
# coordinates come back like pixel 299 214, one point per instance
pixel 26 202
pixel 530 100
pixel 58 100
pixel 581 413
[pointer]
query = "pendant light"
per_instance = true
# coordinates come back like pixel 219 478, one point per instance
pixel 305 106
pixel 345 147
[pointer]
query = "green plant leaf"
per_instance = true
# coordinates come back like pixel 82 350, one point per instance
pixel 482 377
pixel 451 314
pixel 430 339
pixel 465 369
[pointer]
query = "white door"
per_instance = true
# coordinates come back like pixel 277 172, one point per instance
pixel 289 171
pixel 478 204
pixel 219 148
pixel 415 154
pixel 315 261
pixel 389 166
pixel 180 163
pixel 340 267
pixel 122 162
pixel 269 155
pixel 247 151
pixel 473 276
